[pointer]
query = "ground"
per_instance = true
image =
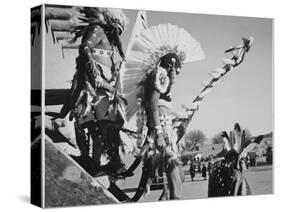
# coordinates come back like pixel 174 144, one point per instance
pixel 259 178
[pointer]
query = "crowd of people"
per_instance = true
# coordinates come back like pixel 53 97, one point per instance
pixel 202 167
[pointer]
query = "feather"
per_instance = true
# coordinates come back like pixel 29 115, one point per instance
pixel 214 74
pixel 189 112
pixel 228 61
pixel 192 107
pixel 231 140
pixel 246 150
pixel 251 146
pixel 237 136
pixel 230 49
pixel 226 144
pixel 205 92
pixel 243 142
pixel 206 83
pixel 219 73
pixel 220 70
pixel 196 104
pixel 258 139
pixel 226 140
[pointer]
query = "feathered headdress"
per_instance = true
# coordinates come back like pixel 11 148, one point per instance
pixel 236 140
pixel 150 46
pixel 116 16
pixel 93 15
pixel 103 16
pixel 69 23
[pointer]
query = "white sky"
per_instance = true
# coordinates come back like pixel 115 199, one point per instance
pixel 245 95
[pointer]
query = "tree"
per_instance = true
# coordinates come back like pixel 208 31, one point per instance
pixel 192 139
pixel 217 139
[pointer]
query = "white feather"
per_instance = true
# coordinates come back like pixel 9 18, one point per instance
pixel 189 112
pixel 238 137
pixel 228 61
pixel 220 70
pixel 226 144
pixel 196 104
pixel 206 82
pixel 205 92
pixel 214 74
pixel 249 148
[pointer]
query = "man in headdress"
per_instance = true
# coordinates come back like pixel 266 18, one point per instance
pixel 94 101
pixel 227 178
pixel 162 50
pixel 160 119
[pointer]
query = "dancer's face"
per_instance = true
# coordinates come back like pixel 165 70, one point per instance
pixel 173 74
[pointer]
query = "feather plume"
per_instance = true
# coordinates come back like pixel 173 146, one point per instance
pixel 226 140
pixel 228 61
pixel 218 74
pixel 237 137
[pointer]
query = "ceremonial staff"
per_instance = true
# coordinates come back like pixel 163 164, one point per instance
pixel 238 53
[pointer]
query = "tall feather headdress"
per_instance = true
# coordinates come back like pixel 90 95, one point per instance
pixel 147 50
pixel 116 15
pixel 237 141
pixel 67 23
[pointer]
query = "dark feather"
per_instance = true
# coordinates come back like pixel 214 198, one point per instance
pixel 258 139
pixel 224 135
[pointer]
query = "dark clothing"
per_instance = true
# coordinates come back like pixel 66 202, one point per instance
pixel 192 172
pixel 204 171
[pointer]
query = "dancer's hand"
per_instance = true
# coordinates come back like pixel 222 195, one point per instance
pixel 160 143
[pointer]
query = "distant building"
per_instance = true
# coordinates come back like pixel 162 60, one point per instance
pixel 217 150
pixel 261 148
pixel 205 151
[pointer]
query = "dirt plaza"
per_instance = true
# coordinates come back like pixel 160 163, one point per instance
pixel 259 178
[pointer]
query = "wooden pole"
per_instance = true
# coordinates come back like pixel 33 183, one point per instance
pixel 63 36
pixel 53 13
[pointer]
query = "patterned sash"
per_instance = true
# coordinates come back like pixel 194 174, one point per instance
pixel 102 52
